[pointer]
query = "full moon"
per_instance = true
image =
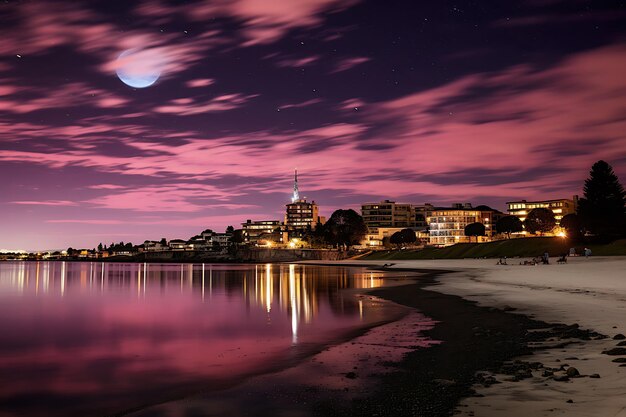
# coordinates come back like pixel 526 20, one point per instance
pixel 139 68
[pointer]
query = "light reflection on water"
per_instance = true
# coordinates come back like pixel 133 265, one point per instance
pixel 95 338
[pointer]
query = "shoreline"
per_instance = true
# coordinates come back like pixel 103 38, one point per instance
pixel 574 295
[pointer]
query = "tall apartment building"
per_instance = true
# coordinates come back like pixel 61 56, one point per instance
pixel 561 207
pixel 301 215
pixel 447 224
pixel 387 214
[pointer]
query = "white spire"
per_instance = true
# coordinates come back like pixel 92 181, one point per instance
pixel 296 195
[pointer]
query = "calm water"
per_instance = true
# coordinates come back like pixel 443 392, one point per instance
pixel 92 339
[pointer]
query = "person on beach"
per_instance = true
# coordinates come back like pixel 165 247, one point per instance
pixel 587 252
pixel 546 258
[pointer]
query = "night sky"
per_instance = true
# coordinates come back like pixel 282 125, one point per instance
pixel 440 102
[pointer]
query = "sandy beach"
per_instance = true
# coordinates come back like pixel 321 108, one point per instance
pixel 588 292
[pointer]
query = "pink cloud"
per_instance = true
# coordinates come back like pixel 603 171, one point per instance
pixel 62 96
pixel 352 104
pixel 201 82
pixel 263 21
pixel 46 203
pixel 86 221
pixel 298 62
pixel 106 187
pixel 186 106
pixel 181 197
pixel 349 63
pixel 301 104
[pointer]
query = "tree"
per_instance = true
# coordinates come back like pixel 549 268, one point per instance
pixel 163 241
pixel 475 229
pixel 230 229
pixel 539 220
pixel 602 207
pixel 396 239
pixel 345 227
pixel 408 236
pixel 316 237
pixel 508 225
pixel 100 247
pixel 572 225
pixel 237 237
pixel 404 236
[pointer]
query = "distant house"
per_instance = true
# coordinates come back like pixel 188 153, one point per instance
pixel 178 244
pixel 261 230
pixel 198 243
pixel 153 246
pixel 221 239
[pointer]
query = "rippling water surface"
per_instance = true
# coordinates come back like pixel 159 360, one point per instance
pixel 89 339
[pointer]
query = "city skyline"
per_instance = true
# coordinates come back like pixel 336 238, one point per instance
pixel 444 103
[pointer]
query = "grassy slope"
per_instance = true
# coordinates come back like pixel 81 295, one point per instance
pixel 522 247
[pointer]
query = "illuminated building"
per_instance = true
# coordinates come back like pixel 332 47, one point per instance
pixel 255 231
pixel 560 208
pixel 387 217
pixel 447 224
pixel 301 215
pixel 387 214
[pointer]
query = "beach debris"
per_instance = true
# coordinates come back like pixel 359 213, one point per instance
pixel 622 343
pixel 594 376
pixel 572 372
pixel 351 375
pixel 619 336
pixel 615 351
pixel 569 401
pixel 485 379
pixel 444 382
pixel 619 360
pixel 560 377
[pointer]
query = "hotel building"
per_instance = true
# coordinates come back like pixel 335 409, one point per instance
pixel 447 224
pixel 560 208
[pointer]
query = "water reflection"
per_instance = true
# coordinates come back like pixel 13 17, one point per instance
pixel 96 338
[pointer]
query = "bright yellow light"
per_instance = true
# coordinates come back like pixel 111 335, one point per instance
pixel 562 234
pixel 292 244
